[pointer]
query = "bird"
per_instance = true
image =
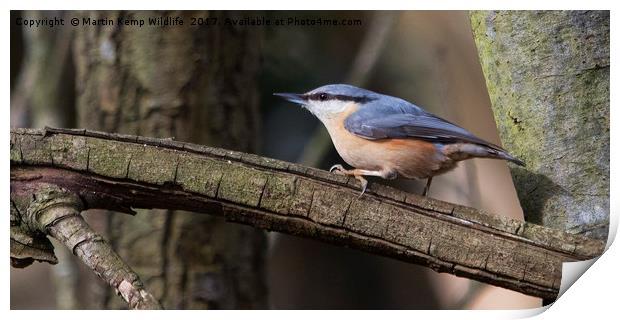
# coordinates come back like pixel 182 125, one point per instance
pixel 385 136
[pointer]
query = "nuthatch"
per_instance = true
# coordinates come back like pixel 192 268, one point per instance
pixel 385 136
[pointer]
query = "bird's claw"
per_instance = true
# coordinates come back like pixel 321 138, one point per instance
pixel 364 184
pixel 339 169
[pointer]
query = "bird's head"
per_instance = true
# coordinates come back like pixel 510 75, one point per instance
pixel 328 101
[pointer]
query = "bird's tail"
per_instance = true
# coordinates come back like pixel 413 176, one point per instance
pixel 470 150
pixel 503 154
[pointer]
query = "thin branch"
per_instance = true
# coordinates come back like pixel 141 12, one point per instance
pixel 97 254
pixel 56 211
pixel 285 197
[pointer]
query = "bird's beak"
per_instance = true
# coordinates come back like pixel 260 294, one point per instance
pixel 292 97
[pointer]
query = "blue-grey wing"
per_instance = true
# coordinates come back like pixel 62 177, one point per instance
pixel 381 121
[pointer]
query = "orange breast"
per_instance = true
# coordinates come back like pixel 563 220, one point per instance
pixel 411 158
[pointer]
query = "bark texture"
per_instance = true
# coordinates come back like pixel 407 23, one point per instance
pixel 548 78
pixel 194 84
pixel 122 172
pixel 54 211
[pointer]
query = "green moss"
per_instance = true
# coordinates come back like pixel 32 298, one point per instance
pixel 242 184
pixel 110 158
pixel 16 153
pixel 548 81
pixel 69 151
pixel 278 193
pixel 548 237
pixel 519 123
pixel 153 165
pixel 35 149
pixel 199 175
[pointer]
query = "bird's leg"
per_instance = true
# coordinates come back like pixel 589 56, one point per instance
pixel 427 187
pixel 359 173
pixel 340 170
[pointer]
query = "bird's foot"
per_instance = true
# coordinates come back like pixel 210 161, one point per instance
pixel 363 182
pixel 340 170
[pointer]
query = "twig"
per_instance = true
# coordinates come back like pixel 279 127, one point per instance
pixel 97 254
pixel 56 211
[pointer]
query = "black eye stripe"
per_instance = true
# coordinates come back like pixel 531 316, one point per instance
pixel 322 96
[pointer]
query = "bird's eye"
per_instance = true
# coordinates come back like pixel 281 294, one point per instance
pixel 322 97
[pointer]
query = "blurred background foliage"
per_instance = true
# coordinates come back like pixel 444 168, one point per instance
pixel 428 58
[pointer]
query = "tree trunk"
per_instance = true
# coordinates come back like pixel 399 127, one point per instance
pixel 195 84
pixel 548 78
pixel 43 93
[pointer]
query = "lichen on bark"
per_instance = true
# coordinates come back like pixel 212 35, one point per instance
pixel 547 73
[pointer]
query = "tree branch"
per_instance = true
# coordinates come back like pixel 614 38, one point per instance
pixel 97 254
pixel 120 172
pixel 53 210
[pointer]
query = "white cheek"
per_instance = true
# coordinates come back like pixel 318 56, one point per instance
pixel 326 109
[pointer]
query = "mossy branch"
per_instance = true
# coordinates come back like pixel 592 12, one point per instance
pixel 55 211
pixel 121 172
